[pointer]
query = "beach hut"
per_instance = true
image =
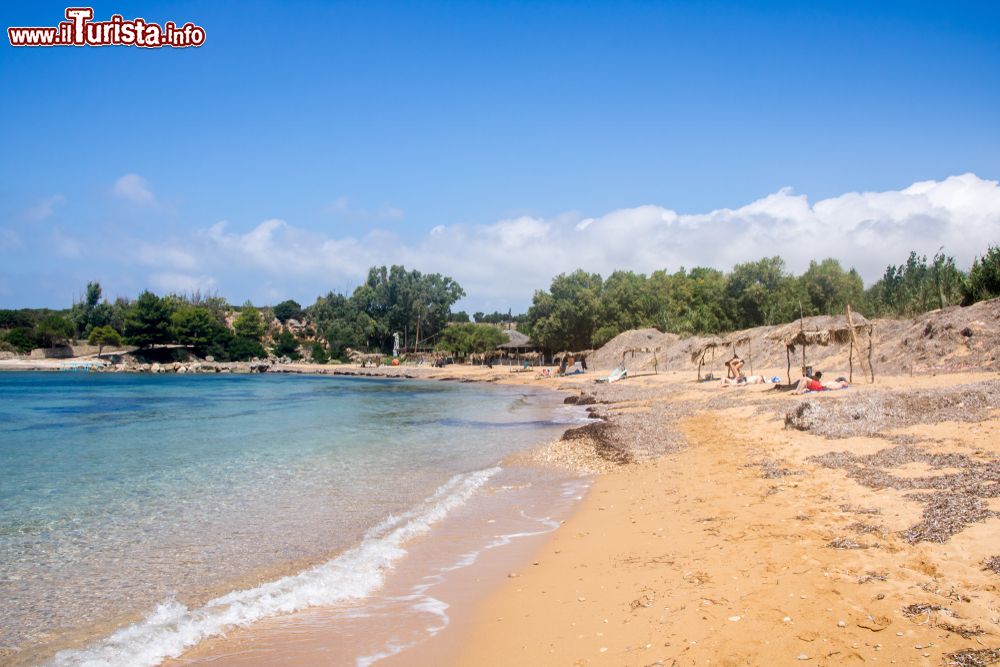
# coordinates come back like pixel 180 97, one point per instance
pixel 823 330
pixel 709 346
pixel 518 347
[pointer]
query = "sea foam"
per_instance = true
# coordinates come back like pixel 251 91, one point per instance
pixel 173 627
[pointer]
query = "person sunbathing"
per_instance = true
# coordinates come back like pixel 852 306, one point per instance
pixel 816 383
pixel 743 380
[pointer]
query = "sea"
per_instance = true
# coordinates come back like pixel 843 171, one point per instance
pixel 141 515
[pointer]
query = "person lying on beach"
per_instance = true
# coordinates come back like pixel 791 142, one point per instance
pixel 743 380
pixel 735 367
pixel 816 383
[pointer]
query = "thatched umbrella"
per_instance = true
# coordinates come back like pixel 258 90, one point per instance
pixel 826 329
pixel 714 342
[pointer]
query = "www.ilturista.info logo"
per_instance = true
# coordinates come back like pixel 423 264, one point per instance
pixel 79 29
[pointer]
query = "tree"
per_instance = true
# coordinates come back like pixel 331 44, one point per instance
pixel 147 321
pixel 244 349
pixel 984 277
pixel 54 330
pixel 90 312
pixel 16 319
pixel 465 339
pixel 626 303
pixel 21 339
pixel 763 293
pixel 104 335
pixel 916 286
pixel 319 354
pixel 408 302
pixel 829 288
pixel 250 324
pixel 285 345
pixel 565 317
pixel 696 301
pixel 195 327
pixel 288 310
pixel 460 317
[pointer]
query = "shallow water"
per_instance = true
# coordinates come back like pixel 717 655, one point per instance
pixel 168 507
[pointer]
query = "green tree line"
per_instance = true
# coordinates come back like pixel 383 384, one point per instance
pixel 579 310
pixel 582 310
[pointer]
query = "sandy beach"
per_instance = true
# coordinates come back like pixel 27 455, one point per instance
pixel 743 548
pixel 715 533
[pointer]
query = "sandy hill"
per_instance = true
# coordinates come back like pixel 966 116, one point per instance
pixel 946 340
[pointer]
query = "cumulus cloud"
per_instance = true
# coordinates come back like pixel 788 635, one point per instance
pixel 134 189
pixel 44 209
pixel 503 262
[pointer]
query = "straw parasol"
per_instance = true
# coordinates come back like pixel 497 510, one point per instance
pixel 824 330
pixel 714 342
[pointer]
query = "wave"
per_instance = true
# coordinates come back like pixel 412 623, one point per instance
pixel 173 627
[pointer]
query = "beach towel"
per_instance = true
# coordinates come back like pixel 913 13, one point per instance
pixel 618 374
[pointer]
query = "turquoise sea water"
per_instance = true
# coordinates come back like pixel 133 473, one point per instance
pixel 156 505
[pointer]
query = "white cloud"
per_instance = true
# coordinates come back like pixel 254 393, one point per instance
pixel 342 206
pixel 135 189
pixel 167 256
pixel 182 283
pixel 44 209
pixel 502 263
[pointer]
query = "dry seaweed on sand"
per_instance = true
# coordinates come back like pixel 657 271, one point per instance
pixel 606 445
pixel 872 576
pixel 867 528
pixel 953 500
pixel 992 564
pixel 582 399
pixel 874 413
pixel 922 608
pixel 944 515
pixel 971 657
pixel 963 631
pixel 846 543
pixel 854 509
pixel 771 469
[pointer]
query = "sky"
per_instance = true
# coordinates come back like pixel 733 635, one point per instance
pixel 499 143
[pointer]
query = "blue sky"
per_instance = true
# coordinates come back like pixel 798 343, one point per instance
pixel 305 141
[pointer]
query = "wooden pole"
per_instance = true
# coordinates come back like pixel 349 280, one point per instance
pixel 802 329
pixel 871 366
pixel 850 364
pixel 856 344
pixel 788 358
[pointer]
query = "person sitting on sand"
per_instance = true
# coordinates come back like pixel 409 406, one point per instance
pixel 735 366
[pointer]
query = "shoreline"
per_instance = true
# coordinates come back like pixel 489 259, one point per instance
pixel 545 404
pixel 746 517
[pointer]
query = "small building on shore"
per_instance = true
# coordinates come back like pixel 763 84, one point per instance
pixel 518 349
